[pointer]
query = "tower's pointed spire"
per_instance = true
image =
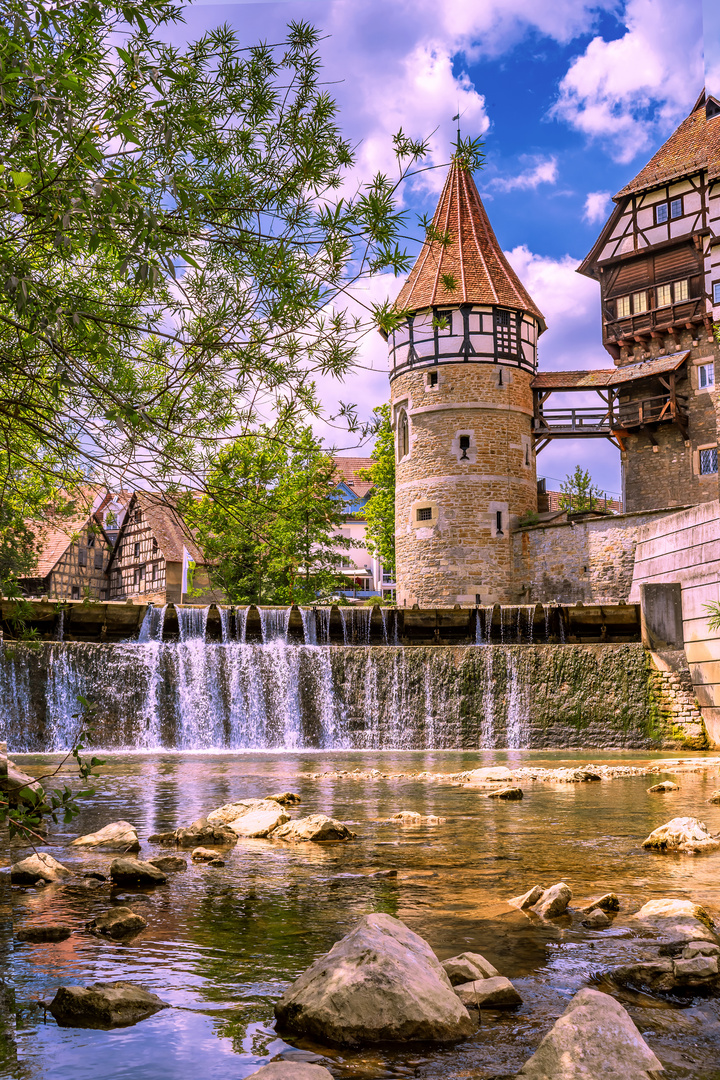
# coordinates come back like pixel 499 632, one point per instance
pixel 471 268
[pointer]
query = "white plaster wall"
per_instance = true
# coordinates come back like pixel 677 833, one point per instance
pixel 685 548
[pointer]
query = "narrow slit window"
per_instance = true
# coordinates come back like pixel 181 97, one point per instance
pixel 424 513
pixel 661 213
pixel 498 522
pixel 403 435
pixel 433 378
pixel 464 446
pixel 82 557
pixel 136 549
pixel 676 207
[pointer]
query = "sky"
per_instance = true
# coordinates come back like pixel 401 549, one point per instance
pixel 571 98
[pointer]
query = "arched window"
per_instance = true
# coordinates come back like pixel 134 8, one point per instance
pixel 403 435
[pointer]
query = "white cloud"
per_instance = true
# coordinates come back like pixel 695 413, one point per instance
pixel 596 207
pixel 543 171
pixel 628 91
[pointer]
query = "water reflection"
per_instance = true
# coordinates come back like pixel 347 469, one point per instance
pixel 222 944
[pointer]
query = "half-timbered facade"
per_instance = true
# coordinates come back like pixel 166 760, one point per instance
pixel 72 561
pixel 156 559
pixel 658 264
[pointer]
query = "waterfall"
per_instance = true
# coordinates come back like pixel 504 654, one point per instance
pixel 389 617
pixel 198 707
pixel 152 624
pixel 530 617
pixel 322 616
pixel 61 625
pixel 546 611
pixel 356 625
pixel 274 623
pixel 487 730
pixel 309 625
pixel 516 703
pixel 150 650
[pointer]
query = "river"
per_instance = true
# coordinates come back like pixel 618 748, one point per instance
pixel 222 943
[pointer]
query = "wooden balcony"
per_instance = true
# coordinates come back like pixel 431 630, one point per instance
pixel 592 422
pixel 673 317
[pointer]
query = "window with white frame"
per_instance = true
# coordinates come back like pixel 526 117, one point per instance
pixel 403 435
pixel 623 307
pixel 640 303
pixel 706 376
pixel 709 461
pixel 664 295
pixel 681 291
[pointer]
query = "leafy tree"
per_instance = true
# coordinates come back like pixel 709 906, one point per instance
pixel 579 494
pixel 270 519
pixel 379 511
pixel 175 240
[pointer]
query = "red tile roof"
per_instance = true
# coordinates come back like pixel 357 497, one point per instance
pixel 53 539
pixel 693 146
pixel 473 257
pixel 347 469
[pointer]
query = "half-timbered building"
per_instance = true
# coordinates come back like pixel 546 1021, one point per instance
pixel 156 558
pixel 657 260
pixel 72 560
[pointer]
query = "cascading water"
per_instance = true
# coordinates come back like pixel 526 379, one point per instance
pixel 356 625
pixel 309 625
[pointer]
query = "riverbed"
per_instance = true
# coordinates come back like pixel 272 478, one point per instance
pixel 223 942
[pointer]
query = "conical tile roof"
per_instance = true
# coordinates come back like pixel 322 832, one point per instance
pixel 473 258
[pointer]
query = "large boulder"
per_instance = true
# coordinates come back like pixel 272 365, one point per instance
pixel 317 828
pixel 677 920
pixel 554 901
pixel 669 975
pixel 104 1005
pixel 133 872
pixel 38 867
pixel 118 922
pixel 468 967
pixel 118 836
pixel 199 833
pixel 291 1070
pixel 232 811
pixel 494 993
pixel 528 899
pixel 259 823
pixel 594 1039
pixel 380 983
pixel 682 834
pixel 17 785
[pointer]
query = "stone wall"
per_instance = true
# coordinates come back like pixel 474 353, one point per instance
pixel 589 562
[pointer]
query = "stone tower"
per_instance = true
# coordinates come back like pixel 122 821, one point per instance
pixel 460 370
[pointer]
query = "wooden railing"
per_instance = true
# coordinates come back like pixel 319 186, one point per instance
pixel 593 422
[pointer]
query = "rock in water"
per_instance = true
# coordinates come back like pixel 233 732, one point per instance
pixel 491 774
pixel 677 920
pixel 317 828
pixel 259 823
pixel 291 1070
pixel 134 872
pixel 510 793
pixel 495 993
pixel 118 836
pixel 411 817
pixel 286 798
pixel 45 933
pixel 195 835
pixel 468 967
pixel 15 783
pixel 528 899
pixel 118 922
pixel 168 863
pixel 104 1005
pixel 203 854
pixel 682 834
pixel 380 983
pixel 596 920
pixel 660 789
pixel 594 1039
pixel 554 901
pixel 607 902
pixel 232 811
pixel 38 867
pixel 715 797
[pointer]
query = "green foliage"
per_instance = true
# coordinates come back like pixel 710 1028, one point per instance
pixel 379 511
pixel 530 518
pixel 713 610
pixel 579 494
pixel 269 523
pixel 25 810
pixel 175 246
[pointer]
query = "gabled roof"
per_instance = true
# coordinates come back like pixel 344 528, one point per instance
pixel 589 380
pixel 693 146
pixel 349 467
pixel 166 526
pixel 473 258
pixel 53 538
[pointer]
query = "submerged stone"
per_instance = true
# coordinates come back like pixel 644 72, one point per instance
pixel 596 920
pixel 169 863
pixel 118 922
pixel 134 872
pixel 104 1005
pixel 511 793
pixel 291 1070
pixel 468 967
pixel 412 817
pixel 607 902
pixel 286 798
pixel 661 789
pixel 44 933
pixel 380 983
pixel 494 993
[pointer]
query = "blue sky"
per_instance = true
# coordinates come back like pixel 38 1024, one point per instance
pixel 572 97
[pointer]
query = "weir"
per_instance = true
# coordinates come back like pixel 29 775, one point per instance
pixel 189 690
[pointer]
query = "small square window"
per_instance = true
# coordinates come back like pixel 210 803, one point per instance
pixel 676 207
pixel 424 513
pixel 706 376
pixel 716 293
pixel 433 378
pixel 664 295
pixel 681 291
pixel 639 302
pixel 75 592
pixel 502 318
pixel 661 213
pixel 623 307
pixel 464 442
pixel 708 461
